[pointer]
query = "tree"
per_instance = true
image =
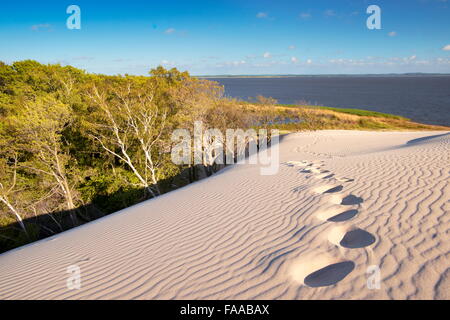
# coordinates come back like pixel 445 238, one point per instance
pixel 130 124
pixel 87 144
pixel 8 183
pixel 37 130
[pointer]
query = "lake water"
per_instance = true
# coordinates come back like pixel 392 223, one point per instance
pixel 424 99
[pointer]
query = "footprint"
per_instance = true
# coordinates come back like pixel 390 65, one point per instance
pixel 310 170
pixel 328 189
pixel 323 175
pixel 344 216
pixel 357 238
pixel 289 164
pixel 299 188
pixel 351 200
pixel 296 163
pixel 320 269
pixel 345 179
pixel 84 260
pixel 329 275
pixel 336 214
pixel 335 189
pixel 350 237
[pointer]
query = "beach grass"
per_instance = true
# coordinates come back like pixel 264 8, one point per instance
pixel 324 118
pixel 357 112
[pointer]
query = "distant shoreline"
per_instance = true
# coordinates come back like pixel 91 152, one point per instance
pixel 405 94
pixel 325 75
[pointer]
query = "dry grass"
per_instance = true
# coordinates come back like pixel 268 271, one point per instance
pixel 318 118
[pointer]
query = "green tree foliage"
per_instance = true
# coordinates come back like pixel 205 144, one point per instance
pixel 76 146
pixel 36 129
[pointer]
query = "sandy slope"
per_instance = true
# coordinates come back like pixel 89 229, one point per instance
pixel 342 201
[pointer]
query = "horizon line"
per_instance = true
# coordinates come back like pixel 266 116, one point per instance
pixel 319 74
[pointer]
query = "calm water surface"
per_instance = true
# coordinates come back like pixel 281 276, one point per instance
pixel 424 99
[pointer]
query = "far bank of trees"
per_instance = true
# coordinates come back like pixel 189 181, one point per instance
pixel 76 146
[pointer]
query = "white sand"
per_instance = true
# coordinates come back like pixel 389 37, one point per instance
pixel 359 199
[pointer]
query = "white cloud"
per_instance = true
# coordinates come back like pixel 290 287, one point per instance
pixel 120 60
pixel 330 13
pixel 84 58
pixel 446 48
pixel 305 15
pixel 38 27
pixel 294 59
pixel 168 63
pixel 261 15
pixel 392 34
pixel 238 63
pixel 309 61
pixel 231 63
pixel 389 61
pixel 291 47
pixel 170 31
pixel 443 61
pixel 267 55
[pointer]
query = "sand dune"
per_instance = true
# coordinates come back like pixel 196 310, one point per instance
pixel 342 202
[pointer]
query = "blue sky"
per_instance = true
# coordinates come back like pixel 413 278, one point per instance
pixel 230 36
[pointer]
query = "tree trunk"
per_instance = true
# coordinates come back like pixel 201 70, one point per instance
pixel 14 211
